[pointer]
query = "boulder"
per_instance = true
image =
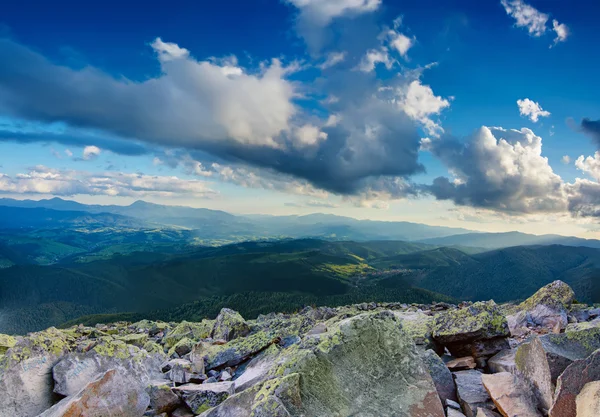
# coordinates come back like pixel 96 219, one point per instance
pixel 479 321
pixel 504 361
pixel 471 392
pixel 229 325
pixel 454 413
pixel 511 394
pixel 420 327
pixel 571 382
pixel 532 362
pixel 236 351
pixel 162 398
pixel 588 400
pixel 26 369
pixel 324 375
pixel 111 394
pixel 461 364
pixel 75 370
pixel 190 330
pixel 6 342
pixel 256 370
pixel 201 397
pixel 548 308
pixel 441 375
pixel 484 412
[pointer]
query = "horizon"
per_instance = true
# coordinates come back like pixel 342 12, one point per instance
pixel 353 108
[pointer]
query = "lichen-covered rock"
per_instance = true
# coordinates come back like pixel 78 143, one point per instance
pixel 111 394
pixel 136 339
pixel 532 362
pixel 482 320
pixel 441 375
pixel 571 382
pixel 162 398
pixel 25 385
pixel 419 326
pixel 6 342
pixel 201 397
pixel 588 400
pixel 182 347
pixel 190 330
pixel 548 308
pixel 229 325
pixel 236 351
pixel 511 394
pixel 257 370
pixel 75 370
pixel 471 392
pixel 324 375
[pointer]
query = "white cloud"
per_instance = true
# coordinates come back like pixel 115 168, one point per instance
pixel 374 57
pixel 589 165
pixel 401 43
pixel 68 153
pixel 168 51
pixel 526 16
pixel 321 12
pixel 419 102
pixel 44 180
pixel 333 58
pixel 566 159
pixel 531 109
pixel 561 30
pixel 308 135
pixel 91 152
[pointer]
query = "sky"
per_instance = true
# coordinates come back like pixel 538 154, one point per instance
pixel 483 115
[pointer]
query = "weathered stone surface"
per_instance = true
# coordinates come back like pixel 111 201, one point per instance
pixel 571 382
pixel 26 372
pixel 111 394
pixel 237 405
pixel 588 400
pixel 318 329
pixel 183 411
pixel 229 325
pixel 201 397
pixel 75 370
pixel 531 361
pixel 162 398
pixel 454 413
pixel 461 364
pixel 6 342
pixel 503 361
pixel 471 392
pixel 236 351
pixel 484 412
pixel 511 394
pixel 441 375
pixel 419 326
pixel 482 320
pixel 190 330
pixel 562 349
pixel 548 308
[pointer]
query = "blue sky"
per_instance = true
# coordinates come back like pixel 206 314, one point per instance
pixel 370 108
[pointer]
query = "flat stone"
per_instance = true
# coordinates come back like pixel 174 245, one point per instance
pixel 111 394
pixel 201 397
pixel 532 362
pixel 482 320
pixel 588 400
pixel 237 351
pixel 451 412
pixel 441 375
pixel 503 361
pixel 471 392
pixel 484 412
pixel 461 364
pixel 571 383
pixel 511 394
pixel 318 329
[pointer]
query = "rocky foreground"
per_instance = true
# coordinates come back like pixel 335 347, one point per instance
pixel 537 358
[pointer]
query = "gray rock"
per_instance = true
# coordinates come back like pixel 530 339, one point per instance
pixel 471 392
pixel 201 397
pixel 532 362
pixel 75 370
pixel 571 382
pixel 484 412
pixel 454 413
pixel 318 329
pixel 452 404
pixel 441 375
pixel 257 369
pixel 229 325
pixel 111 394
pixel 503 361
pixel 162 398
pixel 182 412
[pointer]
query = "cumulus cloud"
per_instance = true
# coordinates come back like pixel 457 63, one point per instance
pixel 420 103
pixel 566 159
pixel 589 165
pixel 321 12
pixel 498 169
pixel 526 16
pixel 561 30
pixel 374 57
pixel 44 180
pixel 90 152
pixel 531 109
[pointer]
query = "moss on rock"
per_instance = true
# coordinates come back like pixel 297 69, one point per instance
pixel 482 320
